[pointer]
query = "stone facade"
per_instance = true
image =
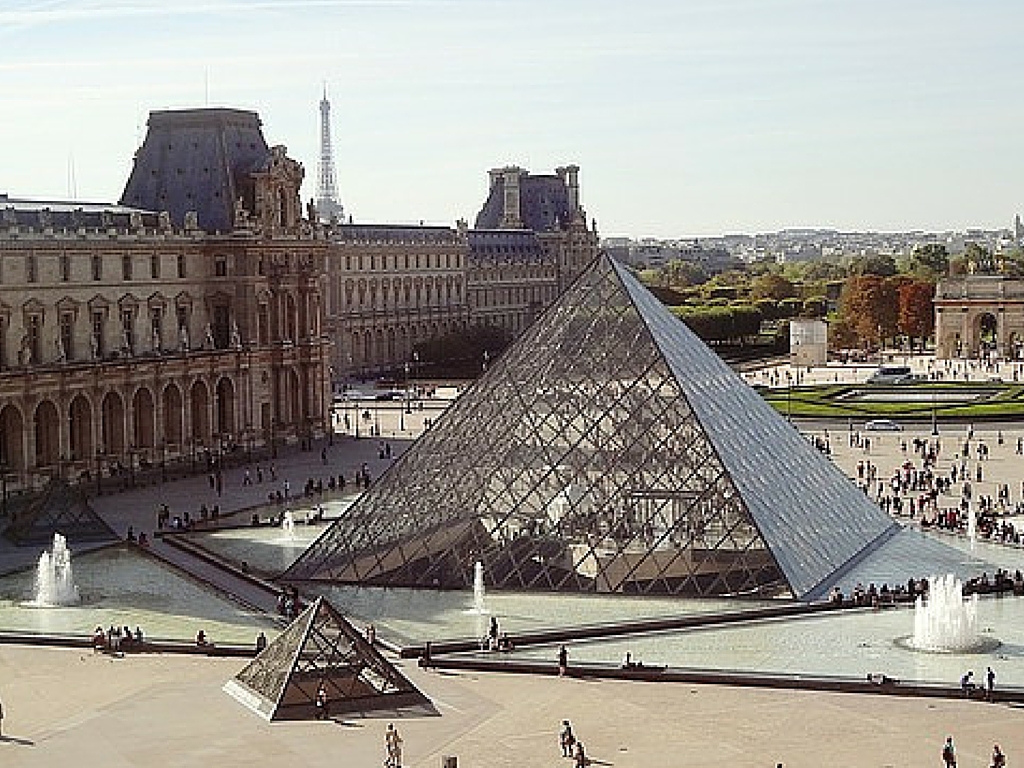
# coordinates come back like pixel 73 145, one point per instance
pixel 130 337
pixel 978 316
pixel 390 287
pixel 393 286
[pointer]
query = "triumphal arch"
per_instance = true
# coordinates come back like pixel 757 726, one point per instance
pixel 979 316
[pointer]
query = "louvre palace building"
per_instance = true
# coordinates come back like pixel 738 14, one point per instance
pixel 207 313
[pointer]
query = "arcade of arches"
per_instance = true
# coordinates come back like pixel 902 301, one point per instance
pixel 114 427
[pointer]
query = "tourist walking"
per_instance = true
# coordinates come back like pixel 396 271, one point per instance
pixel 321 702
pixel 998 758
pixel 990 683
pixel 1 718
pixel 566 739
pixel 563 661
pixel 393 745
pixel 949 753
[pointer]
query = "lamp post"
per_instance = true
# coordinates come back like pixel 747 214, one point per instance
pixel 131 464
pixel 403 407
pixel 163 461
pixel 935 423
pixel 3 488
pixel 99 471
pixel 789 396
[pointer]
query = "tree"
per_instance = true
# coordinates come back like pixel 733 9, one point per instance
pixel 685 273
pixel 869 305
pixel 816 306
pixel 772 286
pixel 930 260
pixel 979 260
pixel 916 309
pixel 882 265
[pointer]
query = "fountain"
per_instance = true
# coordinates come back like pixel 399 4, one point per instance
pixel 945 622
pixel 479 591
pixel 288 525
pixel 55 585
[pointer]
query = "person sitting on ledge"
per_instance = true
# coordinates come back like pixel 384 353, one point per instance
pixel 201 640
pixel 967 685
pixel 138 635
pixel 99 640
pixel 505 643
pixel 881 679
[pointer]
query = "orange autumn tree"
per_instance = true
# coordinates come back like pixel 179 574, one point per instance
pixel 916 309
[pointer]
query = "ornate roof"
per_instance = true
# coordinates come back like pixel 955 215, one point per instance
pixel 198 160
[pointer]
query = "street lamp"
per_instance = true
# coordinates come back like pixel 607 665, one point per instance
pixel 99 471
pixel 935 423
pixel 789 396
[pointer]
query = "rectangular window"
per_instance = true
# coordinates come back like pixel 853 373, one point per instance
pixel 3 343
pixel 67 335
pixel 154 266
pixel 156 328
pixel 128 330
pixel 31 270
pixel 97 267
pixel 65 268
pixel 181 265
pixel 97 334
pixel 35 332
pixel 220 266
pixel 181 317
pixel 126 267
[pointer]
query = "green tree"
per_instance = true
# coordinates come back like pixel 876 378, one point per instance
pixel 815 306
pixel 772 286
pixel 930 260
pixel 878 264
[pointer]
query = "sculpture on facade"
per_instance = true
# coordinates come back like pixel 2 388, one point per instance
pixel 183 338
pixel 236 337
pixel 208 337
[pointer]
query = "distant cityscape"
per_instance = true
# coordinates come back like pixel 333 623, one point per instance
pixel 717 254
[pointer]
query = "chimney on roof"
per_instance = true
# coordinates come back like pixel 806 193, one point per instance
pixel 511 218
pixel 572 181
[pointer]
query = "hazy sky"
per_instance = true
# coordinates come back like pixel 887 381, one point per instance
pixel 686 116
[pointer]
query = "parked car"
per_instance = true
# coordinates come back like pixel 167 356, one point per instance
pixel 883 425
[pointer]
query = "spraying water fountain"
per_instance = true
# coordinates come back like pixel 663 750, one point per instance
pixel 479 590
pixel 55 584
pixel 945 622
pixel 288 525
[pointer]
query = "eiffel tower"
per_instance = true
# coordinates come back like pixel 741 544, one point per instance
pixel 608 450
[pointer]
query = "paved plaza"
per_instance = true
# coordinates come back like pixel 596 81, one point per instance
pixel 68 707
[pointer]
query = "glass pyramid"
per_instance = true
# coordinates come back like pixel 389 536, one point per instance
pixel 608 450
pixel 320 649
pixel 58 509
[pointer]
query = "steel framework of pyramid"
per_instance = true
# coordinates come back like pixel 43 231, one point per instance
pixel 320 647
pixel 608 450
pixel 58 509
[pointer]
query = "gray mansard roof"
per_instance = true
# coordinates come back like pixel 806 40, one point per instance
pixel 512 245
pixel 197 160
pixel 543 204
pixel 69 214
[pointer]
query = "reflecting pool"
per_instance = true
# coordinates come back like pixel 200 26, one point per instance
pixel 122 587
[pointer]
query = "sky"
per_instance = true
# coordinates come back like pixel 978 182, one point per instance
pixel 686 117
